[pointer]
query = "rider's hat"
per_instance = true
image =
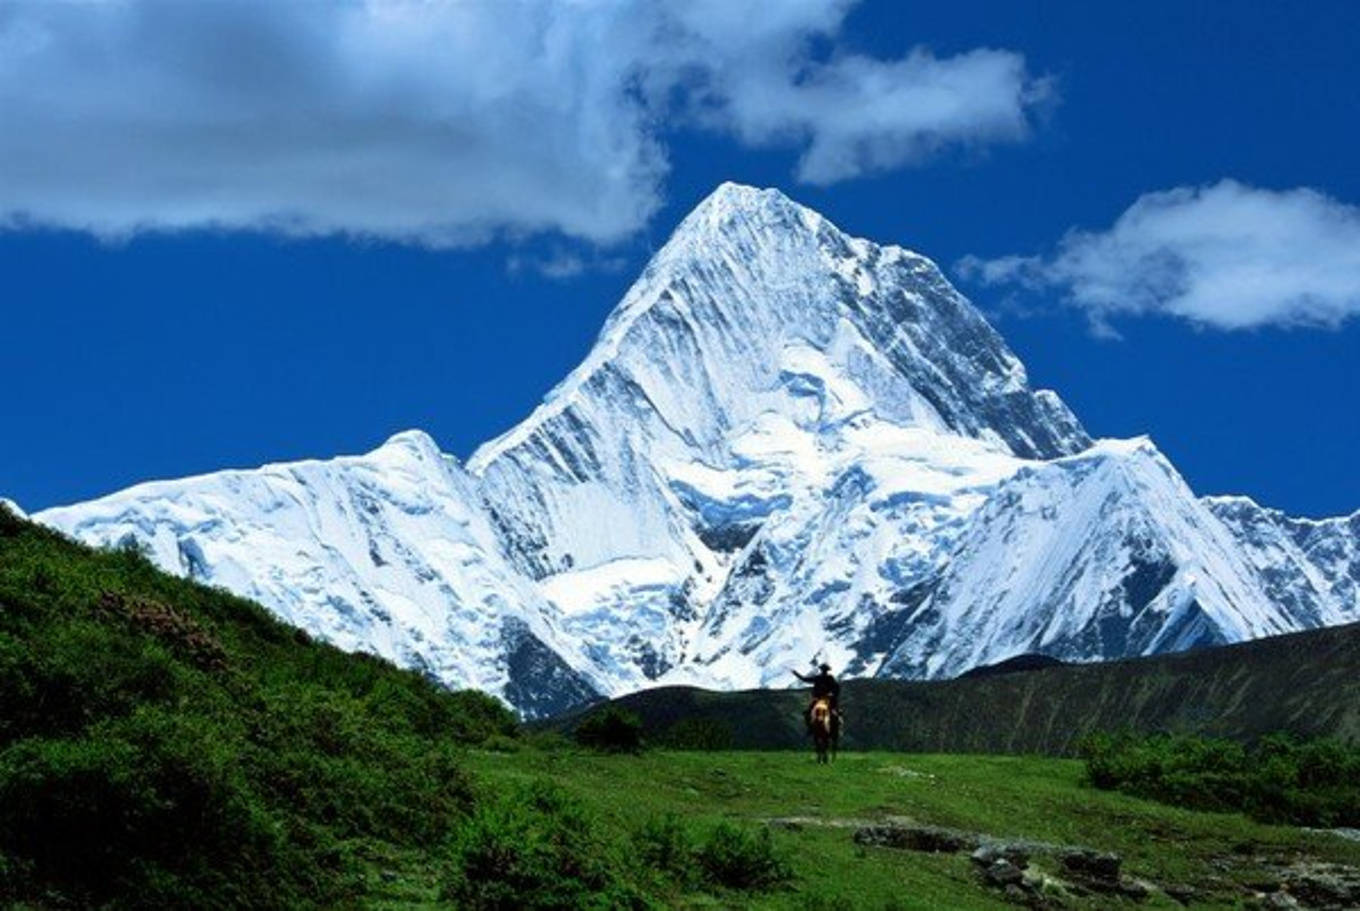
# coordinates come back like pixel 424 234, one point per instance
pixel 824 666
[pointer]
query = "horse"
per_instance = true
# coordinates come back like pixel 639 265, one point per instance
pixel 822 725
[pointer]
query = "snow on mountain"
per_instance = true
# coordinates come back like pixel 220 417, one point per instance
pixel 388 552
pixel 1100 554
pixel 763 360
pixel 786 442
pixel 1311 567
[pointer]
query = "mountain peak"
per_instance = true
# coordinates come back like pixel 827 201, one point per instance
pixel 730 195
pixel 722 323
pixel 412 443
pixel 732 204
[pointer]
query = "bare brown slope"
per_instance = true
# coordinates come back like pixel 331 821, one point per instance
pixel 1307 683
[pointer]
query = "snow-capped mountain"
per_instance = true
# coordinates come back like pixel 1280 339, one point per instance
pixel 786 442
pixel 389 552
pixel 1311 567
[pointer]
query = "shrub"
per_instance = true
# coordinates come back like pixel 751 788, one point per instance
pixel 163 744
pixel 730 857
pixel 326 757
pixel 151 807
pixel 500 743
pixel 473 716
pixel 612 730
pixel 1277 779
pixel 664 845
pixel 535 848
pixel 58 680
pixel 741 859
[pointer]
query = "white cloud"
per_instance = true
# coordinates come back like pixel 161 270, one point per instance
pixel 442 122
pixel 1227 256
pixel 860 115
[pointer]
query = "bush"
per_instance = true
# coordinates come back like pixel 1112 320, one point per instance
pixel 152 807
pixel 535 848
pixel 664 845
pixel 163 744
pixel 741 859
pixel 499 743
pixel 58 680
pixel 730 857
pixel 1278 779
pixel 474 716
pixel 612 730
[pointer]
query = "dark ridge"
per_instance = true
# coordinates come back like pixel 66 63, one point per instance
pixel 1028 662
pixel 1305 683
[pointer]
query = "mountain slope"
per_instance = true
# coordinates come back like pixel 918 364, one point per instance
pixel 168 745
pixel 1304 683
pixel 1311 566
pixel 388 553
pixel 787 441
pixel 1114 551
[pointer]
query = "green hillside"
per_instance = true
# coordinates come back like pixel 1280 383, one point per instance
pixel 1304 683
pixel 163 744
pixel 167 745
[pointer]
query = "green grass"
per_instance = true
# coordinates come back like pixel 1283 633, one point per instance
pixel 1016 797
pixel 163 744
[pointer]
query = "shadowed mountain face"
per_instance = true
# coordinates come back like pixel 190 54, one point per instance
pixel 787 441
pixel 1306 683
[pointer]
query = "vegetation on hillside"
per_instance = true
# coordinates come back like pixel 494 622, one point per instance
pixel 164 744
pixel 610 729
pixel 1276 779
pixel 1307 683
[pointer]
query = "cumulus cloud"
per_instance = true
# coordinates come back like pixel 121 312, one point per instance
pixel 446 123
pixel 1226 256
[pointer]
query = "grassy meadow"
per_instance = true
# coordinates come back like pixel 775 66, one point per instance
pixel 814 811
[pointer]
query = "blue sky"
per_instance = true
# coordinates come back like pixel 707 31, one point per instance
pixel 263 242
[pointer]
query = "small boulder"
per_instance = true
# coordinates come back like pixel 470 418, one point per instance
pixel 930 839
pixel 1180 892
pixel 1003 873
pixel 1092 866
pixel 990 852
pixel 1135 889
pixel 1324 885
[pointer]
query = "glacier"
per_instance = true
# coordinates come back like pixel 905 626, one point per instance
pixel 786 443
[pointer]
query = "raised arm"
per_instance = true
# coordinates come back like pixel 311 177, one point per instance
pixel 802 678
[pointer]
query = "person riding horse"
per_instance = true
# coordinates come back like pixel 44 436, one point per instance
pixel 824 686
